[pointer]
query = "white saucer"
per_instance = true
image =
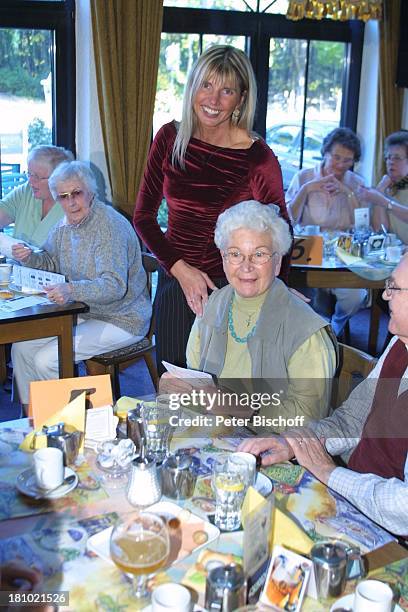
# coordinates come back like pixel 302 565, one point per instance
pixel 26 484
pixel 19 289
pixel 347 602
pixel 263 484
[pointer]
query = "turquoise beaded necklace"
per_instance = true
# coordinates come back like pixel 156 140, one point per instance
pixel 232 328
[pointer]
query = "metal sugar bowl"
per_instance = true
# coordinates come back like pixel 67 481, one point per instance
pixel 62 436
pixel 144 487
pixel 178 476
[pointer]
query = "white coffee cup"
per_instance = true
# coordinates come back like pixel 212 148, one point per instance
pixel 250 460
pixel 5 273
pixel 372 596
pixel 171 597
pixel 48 467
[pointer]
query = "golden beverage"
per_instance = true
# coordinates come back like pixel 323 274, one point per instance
pixel 139 553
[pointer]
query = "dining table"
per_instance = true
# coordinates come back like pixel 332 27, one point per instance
pixel 344 271
pixel 55 535
pixel 41 320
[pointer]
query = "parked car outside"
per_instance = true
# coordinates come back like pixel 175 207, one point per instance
pixel 285 141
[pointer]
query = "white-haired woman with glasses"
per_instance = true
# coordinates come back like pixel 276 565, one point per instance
pixel 31 207
pixel 202 166
pixel 390 197
pixel 255 327
pixel 97 250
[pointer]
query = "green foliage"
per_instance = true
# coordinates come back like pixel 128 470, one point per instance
pixel 25 60
pixel 18 82
pixel 288 63
pixel 38 133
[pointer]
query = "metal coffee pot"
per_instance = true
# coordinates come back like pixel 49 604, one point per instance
pixel 178 477
pixel 333 562
pixel 62 436
pixel 226 588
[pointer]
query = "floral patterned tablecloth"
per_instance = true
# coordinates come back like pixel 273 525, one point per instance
pixel 54 539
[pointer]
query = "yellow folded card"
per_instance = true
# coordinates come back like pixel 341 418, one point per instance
pixel 72 414
pixel 286 532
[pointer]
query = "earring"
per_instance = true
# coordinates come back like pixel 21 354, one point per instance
pixel 235 116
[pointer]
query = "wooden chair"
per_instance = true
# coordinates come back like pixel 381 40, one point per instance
pixel 354 366
pixel 114 361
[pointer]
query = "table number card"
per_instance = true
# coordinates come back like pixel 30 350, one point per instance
pixel 30 278
pixel 307 250
pixel 361 217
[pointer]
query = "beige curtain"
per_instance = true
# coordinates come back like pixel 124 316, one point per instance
pixel 334 9
pixel 126 37
pixel 390 97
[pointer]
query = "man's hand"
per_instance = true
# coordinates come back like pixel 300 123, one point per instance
pixel 276 449
pixel 60 294
pixel 312 455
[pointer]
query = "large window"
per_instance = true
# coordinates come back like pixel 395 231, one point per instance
pixel 308 72
pixel 37 81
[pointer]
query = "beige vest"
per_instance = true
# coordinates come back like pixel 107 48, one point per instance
pixel 284 323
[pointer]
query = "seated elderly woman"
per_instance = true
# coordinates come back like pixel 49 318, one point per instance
pixel 97 250
pixel 390 197
pixel 255 328
pixel 326 195
pixel 31 207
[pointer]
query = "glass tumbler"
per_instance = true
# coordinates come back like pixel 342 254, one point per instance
pixel 229 486
pixel 157 429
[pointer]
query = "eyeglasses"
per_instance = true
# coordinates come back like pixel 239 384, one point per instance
pixel 390 287
pixel 259 258
pixel 34 176
pixel 396 158
pixel 75 194
pixel 347 161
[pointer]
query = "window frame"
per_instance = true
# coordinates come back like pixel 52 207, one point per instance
pixel 58 16
pixel 259 28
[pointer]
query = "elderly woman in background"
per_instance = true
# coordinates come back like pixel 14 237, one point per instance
pixel 390 197
pixel 326 195
pixel 202 166
pixel 256 328
pixel 97 250
pixel 31 207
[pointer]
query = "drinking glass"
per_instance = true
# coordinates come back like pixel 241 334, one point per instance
pixel 140 546
pixel 229 486
pixel 157 428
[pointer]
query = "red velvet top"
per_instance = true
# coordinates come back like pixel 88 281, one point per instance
pixel 214 179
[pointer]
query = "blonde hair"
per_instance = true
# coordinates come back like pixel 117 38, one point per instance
pixel 229 65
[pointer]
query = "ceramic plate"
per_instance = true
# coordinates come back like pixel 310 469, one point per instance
pixel 14 287
pixel 346 603
pixel 99 543
pixel 26 484
pixel 263 484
